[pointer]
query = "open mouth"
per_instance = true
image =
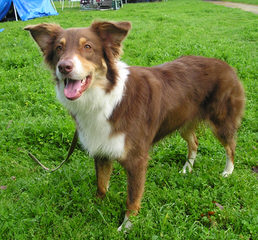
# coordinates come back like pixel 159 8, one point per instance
pixel 74 88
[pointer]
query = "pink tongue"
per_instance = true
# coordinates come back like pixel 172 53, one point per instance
pixel 72 89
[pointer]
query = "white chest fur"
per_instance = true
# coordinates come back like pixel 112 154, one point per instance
pixel 92 111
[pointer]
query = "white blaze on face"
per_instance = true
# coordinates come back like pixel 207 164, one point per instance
pixel 79 72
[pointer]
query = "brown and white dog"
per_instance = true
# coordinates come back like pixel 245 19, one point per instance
pixel 120 111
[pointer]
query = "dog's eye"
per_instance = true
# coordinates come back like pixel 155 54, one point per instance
pixel 59 48
pixel 87 46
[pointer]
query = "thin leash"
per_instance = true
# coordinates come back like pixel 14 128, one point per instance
pixel 70 151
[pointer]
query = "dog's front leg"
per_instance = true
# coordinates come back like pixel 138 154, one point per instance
pixel 103 168
pixel 136 174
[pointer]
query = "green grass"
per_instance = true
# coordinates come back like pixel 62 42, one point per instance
pixel 62 205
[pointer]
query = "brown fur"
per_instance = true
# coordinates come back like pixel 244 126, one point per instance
pixel 172 96
pixel 157 100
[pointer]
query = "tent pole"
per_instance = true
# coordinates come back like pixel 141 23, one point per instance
pixel 62 3
pixel 15 12
pixel 53 4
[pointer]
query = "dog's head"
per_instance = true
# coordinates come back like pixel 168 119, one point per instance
pixel 81 57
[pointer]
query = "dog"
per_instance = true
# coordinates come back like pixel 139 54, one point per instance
pixel 121 111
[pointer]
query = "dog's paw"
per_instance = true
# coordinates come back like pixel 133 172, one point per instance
pixel 228 169
pixel 226 173
pixel 100 194
pixel 125 226
pixel 186 168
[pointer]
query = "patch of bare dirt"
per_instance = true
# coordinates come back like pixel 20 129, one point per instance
pixel 245 7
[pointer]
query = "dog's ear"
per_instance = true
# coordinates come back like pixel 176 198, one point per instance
pixel 44 34
pixel 112 33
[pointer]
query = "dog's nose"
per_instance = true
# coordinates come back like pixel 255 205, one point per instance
pixel 65 66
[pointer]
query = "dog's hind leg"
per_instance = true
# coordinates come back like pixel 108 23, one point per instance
pixel 189 136
pixel 225 135
pixel 225 120
pixel 103 168
pixel 230 150
pixel 225 131
pixel 225 111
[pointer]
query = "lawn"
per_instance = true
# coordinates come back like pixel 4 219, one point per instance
pixel 62 205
